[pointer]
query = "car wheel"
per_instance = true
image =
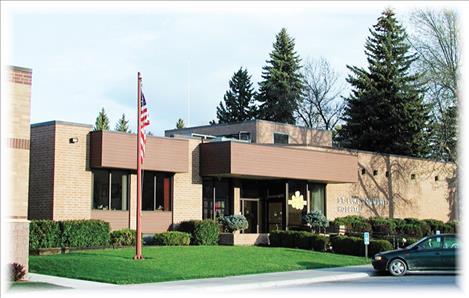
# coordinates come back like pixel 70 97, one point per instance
pixel 397 267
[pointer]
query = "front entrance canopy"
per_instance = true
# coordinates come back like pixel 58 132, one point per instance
pixel 235 159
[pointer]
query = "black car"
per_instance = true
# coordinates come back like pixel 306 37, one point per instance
pixel 432 253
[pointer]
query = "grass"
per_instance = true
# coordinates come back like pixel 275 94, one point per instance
pixel 33 285
pixel 182 262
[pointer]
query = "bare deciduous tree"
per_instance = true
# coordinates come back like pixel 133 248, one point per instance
pixel 321 106
pixel 435 37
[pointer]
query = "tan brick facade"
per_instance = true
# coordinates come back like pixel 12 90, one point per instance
pixel 262 132
pixel 17 139
pixel 60 181
pixel 396 186
pixel 187 194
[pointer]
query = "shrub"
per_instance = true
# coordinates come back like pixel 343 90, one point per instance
pixel 377 246
pixel 235 222
pixel 354 223
pixel 435 225
pixel 450 227
pixel 298 239
pixel 203 232
pixel 173 238
pixel 382 226
pixel 355 246
pixel 424 227
pixel 85 233
pixel 123 237
pixel 17 271
pixel 316 220
pixel 44 234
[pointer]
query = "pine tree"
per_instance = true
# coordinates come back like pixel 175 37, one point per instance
pixel 123 125
pixel 385 110
pixel 180 124
pixel 282 84
pixel 102 121
pixel 238 102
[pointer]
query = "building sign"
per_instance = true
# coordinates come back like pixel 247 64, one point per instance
pixel 355 204
pixel 297 201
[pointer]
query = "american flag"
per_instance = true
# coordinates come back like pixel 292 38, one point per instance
pixel 144 122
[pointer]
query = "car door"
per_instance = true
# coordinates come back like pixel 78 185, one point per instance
pixel 427 255
pixel 449 251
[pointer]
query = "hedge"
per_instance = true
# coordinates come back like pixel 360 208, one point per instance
pixel 355 246
pixel 298 239
pixel 173 238
pixel 85 233
pixel 44 234
pixel 202 232
pixel 69 233
pixel 355 223
pixel 382 226
pixel 123 237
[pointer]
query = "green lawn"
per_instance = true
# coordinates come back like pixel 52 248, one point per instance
pixel 183 262
pixel 33 285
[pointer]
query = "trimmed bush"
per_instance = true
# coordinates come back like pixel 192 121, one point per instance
pixel 450 227
pixel 235 222
pixel 123 237
pixel 44 234
pixel 382 226
pixel 355 246
pixel 298 239
pixel 85 233
pixel 173 238
pixel 424 227
pixel 353 223
pixel 435 225
pixel 377 246
pixel 203 232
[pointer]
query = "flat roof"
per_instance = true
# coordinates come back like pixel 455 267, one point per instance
pixel 58 122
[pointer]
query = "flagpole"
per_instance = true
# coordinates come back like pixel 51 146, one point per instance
pixel 138 248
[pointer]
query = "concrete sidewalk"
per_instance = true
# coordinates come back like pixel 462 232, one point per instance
pixel 230 283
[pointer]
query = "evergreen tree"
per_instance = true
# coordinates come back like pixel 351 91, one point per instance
pixel 123 125
pixel 180 124
pixel 102 121
pixel 385 110
pixel 282 84
pixel 238 102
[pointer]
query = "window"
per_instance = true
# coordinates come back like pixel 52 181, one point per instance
pixel 431 243
pixel 280 138
pixel 387 174
pixel 450 242
pixel 297 202
pixel 412 176
pixel 437 178
pixel 317 197
pixel 363 171
pixel 375 172
pixel 156 191
pixel 215 199
pixel 110 190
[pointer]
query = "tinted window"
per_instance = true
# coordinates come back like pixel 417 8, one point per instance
pixel 450 242
pixel 280 138
pixel 101 189
pixel 431 243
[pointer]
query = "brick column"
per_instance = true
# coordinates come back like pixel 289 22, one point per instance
pixel 133 201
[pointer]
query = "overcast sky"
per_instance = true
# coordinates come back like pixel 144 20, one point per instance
pixel 85 56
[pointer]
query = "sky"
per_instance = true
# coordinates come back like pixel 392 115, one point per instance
pixel 86 56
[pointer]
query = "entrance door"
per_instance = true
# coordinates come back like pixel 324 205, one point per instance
pixel 250 210
pixel 275 215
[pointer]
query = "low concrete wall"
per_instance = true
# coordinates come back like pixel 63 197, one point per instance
pixel 243 239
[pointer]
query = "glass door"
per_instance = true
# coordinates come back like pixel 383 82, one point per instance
pixel 250 210
pixel 275 215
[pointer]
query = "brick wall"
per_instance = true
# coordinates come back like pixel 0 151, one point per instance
pixel 17 138
pixel 187 199
pixel 41 179
pixel 296 135
pixel 72 176
pixel 397 195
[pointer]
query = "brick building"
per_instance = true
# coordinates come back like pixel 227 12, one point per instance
pixel 17 141
pixel 272 173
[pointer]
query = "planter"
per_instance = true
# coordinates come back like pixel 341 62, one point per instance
pixel 45 251
pixel 243 239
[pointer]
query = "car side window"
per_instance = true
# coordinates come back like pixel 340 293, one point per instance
pixel 450 242
pixel 432 243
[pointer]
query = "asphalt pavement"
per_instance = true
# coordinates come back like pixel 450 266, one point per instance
pixel 418 280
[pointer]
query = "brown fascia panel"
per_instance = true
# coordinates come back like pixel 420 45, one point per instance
pixel 252 160
pixel 118 150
